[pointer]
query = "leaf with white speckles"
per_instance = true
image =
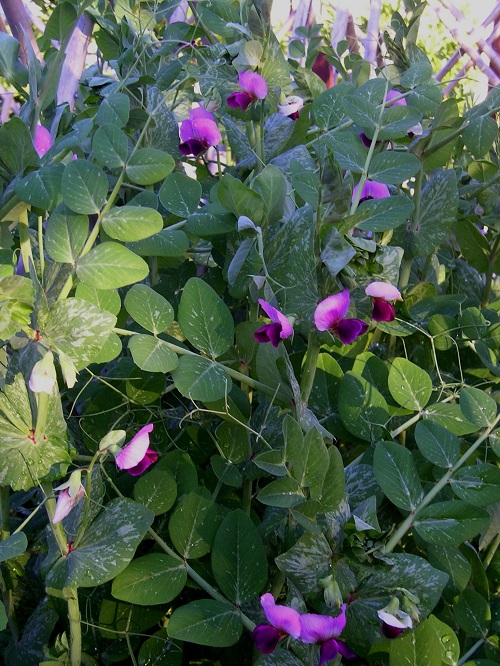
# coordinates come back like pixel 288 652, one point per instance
pixel 84 187
pixel 109 266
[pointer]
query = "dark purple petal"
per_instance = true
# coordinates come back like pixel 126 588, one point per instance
pixel 382 310
pixel 260 335
pixel 330 311
pixel 150 458
pixel 274 334
pixel 241 100
pixel 345 650
pixel 266 638
pixel 366 141
pixel 278 318
pixel 349 329
pixel 390 632
pixel 321 628
pixel 328 651
pixel 281 617
pixel 192 147
pixel 254 84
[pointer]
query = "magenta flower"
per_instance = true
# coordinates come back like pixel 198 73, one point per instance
pixel 42 141
pixel 330 316
pixel 279 328
pixel 381 293
pixel 394 624
pixel 253 86
pixel 65 503
pixel 371 190
pixel 283 621
pixel 198 132
pixel 325 630
pixel 136 457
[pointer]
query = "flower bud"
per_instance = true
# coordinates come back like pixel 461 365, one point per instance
pixel 43 376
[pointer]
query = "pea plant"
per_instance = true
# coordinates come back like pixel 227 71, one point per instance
pixel 249 351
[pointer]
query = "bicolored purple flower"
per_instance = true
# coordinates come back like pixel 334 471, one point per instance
pixel 71 492
pixel 198 132
pixel 325 630
pixel 394 623
pixel 291 107
pixel 330 315
pixel 136 457
pixel 253 86
pixel 371 190
pixel 283 621
pixel 381 294
pixel 42 140
pixel 279 328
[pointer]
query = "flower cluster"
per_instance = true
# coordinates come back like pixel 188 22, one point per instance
pixel 330 315
pixel 309 628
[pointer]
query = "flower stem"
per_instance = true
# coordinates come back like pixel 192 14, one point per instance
pixel 57 529
pixel 310 365
pixel 491 551
pixel 443 481
pixel 470 652
pixel 75 627
pixel 42 412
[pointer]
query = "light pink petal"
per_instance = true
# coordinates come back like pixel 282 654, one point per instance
pixel 392 94
pixel 134 452
pixel 200 112
pixel 330 311
pixel 65 503
pixel 254 84
pixel 384 290
pixel 42 141
pixel 293 104
pixel 281 617
pixel 321 628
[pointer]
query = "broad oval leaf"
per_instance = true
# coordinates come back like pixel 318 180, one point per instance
pixel 410 386
pixel 157 490
pixel 393 168
pixel 199 378
pixel 109 266
pixel 472 613
pixel 153 579
pixel 397 475
pixel 148 308
pixel 381 214
pixel 41 188
pixel 478 406
pixel 66 234
pixel 206 622
pixel 362 408
pixel 180 194
pixel 282 492
pixel 450 523
pixel 193 524
pixel 477 484
pixel 152 354
pixel 131 223
pixel 167 243
pixel 110 146
pixel 114 109
pixel 84 187
pixel 148 166
pixel 15 545
pixel 440 446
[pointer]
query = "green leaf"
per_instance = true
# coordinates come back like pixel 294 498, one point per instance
pixel 397 475
pixel 309 462
pixel 153 579
pixel 18 152
pixel 271 185
pixel 157 490
pixel 233 442
pixel 239 560
pixel 349 151
pixel 334 485
pixel 450 417
pixel 131 223
pixel 206 622
pixel 211 220
pixel 450 523
pixel 193 524
pixel 440 446
pixel 107 547
pixel 205 319
pixel 240 199
pixel 432 642
pixel 306 562
pixel 180 194
pixel 84 187
pixel 106 299
pixel 3 617
pixel 114 109
pixel 393 168
pixel 362 111
pixel 362 408
pixel 159 651
pixel 282 492
pixel 477 484
pixel 109 266
pixel 199 378
pixel 148 308
pixel 79 329
pixel 41 188
pixel 110 146
pixel 328 108
pixel 13 546
pixel 472 613
pixel 66 234
pixel 152 354
pixel 410 386
pixel 148 166
pixel 182 468
pixel 11 67
pixel 480 134
pixel 279 657
pixel 168 243
pixel 451 561
pixel 397 121
pixel 417 74
pixel 380 214
pixel 307 184
pixel 477 406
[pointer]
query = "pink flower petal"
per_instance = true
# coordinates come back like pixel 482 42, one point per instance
pixel 200 112
pixel 240 100
pixel 207 131
pixel 382 310
pixel 42 141
pixel 330 311
pixel 383 290
pixel 392 94
pixel 277 317
pixel 150 458
pixel 186 130
pixel 134 452
pixel 254 84
pixel 266 638
pixel 281 617
pixel 321 628
pixel 371 190
pixel 328 651
pixel 350 329
pixel 65 503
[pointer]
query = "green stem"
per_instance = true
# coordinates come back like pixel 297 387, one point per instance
pixel 75 627
pixel 309 367
pixel 404 275
pixel 408 522
pixel 4 512
pixel 7 594
pixel 24 240
pixel 57 529
pixel 492 260
pixel 86 508
pixel 470 652
pixel 491 551
pixel 127 638
pixel 40 247
pixel 42 412
pixel 406 425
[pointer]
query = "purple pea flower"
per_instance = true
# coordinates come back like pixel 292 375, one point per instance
pixel 416 130
pixel 279 328
pixel 371 190
pixel 42 140
pixel 381 293
pixel 253 86
pixel 330 316
pixel 283 621
pixel 198 132
pixel 325 630
pixel 136 457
